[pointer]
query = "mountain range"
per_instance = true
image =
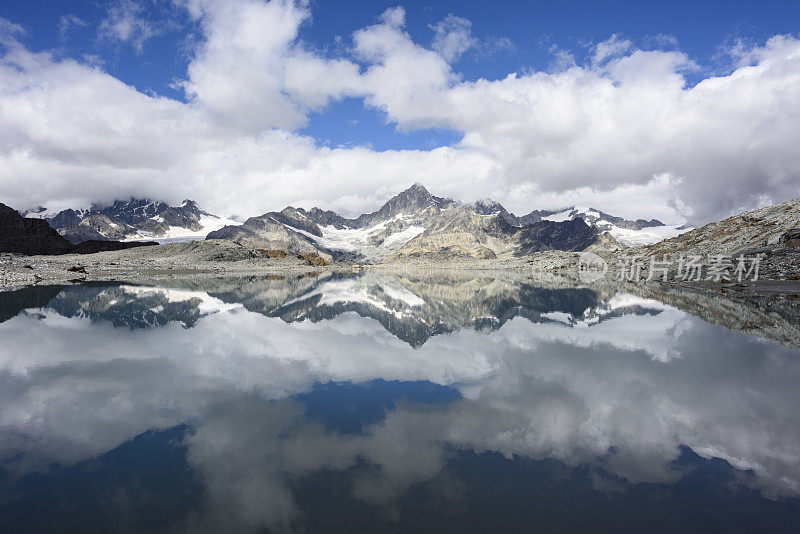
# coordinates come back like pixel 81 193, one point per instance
pixel 630 233
pixel 133 220
pixel 412 224
pixel 416 224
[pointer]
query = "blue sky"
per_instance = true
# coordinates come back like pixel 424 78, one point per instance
pixel 680 111
pixel 518 37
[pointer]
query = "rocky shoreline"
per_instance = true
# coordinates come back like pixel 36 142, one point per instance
pixel 141 264
pixel 227 258
pixel 224 257
pixel 221 258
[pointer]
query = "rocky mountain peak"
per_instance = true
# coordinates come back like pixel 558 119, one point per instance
pixel 487 206
pixel 410 201
pixel 414 196
pixel 134 218
pixel 132 211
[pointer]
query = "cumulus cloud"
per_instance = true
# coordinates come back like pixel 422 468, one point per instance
pixel 236 74
pixel 624 122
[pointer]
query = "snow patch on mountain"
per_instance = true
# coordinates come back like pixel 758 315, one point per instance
pixel 561 216
pixel 135 219
pixel 178 234
pixel 645 236
pixel 357 239
pixel 628 233
pixel 398 239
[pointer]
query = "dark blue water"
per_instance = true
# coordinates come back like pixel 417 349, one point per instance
pixel 370 403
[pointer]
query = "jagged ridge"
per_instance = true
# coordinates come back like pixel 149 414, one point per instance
pixel 135 218
pixel 413 223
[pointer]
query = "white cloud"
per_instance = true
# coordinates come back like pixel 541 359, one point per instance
pixel 237 73
pixel 125 21
pixel 394 17
pixel 9 31
pixel 67 23
pixel 452 37
pixel 614 46
pixel 617 125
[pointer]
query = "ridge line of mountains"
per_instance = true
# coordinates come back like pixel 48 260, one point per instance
pixel 413 223
pixel 133 219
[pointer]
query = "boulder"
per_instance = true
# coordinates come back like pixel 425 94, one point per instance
pixel 313 259
pixel 791 238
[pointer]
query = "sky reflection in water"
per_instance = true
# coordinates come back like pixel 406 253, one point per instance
pixel 348 403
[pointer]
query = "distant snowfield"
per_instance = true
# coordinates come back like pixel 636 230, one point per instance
pixel 50 213
pixel 561 216
pixel 357 239
pixel 336 239
pixel 175 234
pixel 645 236
pixel 399 239
pixel 178 234
pixel 629 238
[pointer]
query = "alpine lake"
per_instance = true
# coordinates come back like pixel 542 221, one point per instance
pixel 372 402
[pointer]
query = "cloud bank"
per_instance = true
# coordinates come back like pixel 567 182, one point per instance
pixel 624 131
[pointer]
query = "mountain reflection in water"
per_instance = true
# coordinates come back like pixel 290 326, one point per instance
pixel 369 401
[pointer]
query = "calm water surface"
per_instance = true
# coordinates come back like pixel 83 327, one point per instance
pixel 369 403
